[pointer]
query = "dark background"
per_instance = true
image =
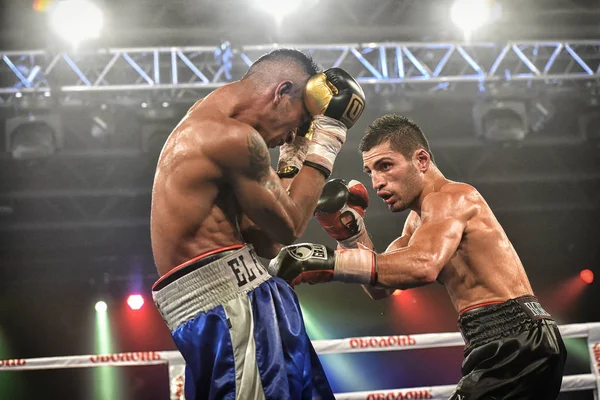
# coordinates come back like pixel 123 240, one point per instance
pixel 74 226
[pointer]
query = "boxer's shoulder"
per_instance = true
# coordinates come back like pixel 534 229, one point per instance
pixel 234 145
pixel 210 123
pixel 207 143
pixel 466 196
pixel 457 192
pixel 457 188
pixel 212 131
pixel 452 199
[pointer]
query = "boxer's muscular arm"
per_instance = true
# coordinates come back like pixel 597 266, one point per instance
pixel 377 292
pixel 260 192
pixel 263 244
pixel 443 220
pixel 410 225
pixel 374 292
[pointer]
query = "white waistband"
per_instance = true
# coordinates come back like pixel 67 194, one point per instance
pixel 209 286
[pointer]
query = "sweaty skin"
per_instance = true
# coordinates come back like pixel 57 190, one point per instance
pixel 214 177
pixel 451 234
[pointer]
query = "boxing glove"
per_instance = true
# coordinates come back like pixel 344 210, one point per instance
pixel 336 101
pixel 316 263
pixel 341 210
pixel 334 93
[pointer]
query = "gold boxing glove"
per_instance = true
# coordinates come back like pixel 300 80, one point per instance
pixel 336 101
pixel 334 93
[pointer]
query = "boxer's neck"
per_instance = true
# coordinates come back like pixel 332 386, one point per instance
pixel 432 182
pixel 240 101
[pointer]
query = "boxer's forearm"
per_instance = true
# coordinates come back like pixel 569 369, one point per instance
pixel 429 249
pixel 302 196
pixel 374 292
pixel 378 292
pixel 406 268
pixel 263 244
pixel 286 183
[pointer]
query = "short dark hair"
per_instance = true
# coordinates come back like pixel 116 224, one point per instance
pixel 404 135
pixel 298 58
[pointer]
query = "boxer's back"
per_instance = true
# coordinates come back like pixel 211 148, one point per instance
pixel 193 208
pixel 485 266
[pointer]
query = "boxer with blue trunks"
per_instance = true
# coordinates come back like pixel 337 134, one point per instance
pixel 217 205
pixel 239 330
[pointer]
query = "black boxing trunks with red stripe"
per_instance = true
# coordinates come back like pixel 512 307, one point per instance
pixel 513 350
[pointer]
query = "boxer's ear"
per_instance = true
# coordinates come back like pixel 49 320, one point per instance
pixel 422 160
pixel 284 88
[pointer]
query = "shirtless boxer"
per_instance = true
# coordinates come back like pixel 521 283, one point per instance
pixel 513 347
pixel 217 204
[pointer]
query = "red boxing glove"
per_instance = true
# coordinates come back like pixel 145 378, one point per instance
pixel 341 210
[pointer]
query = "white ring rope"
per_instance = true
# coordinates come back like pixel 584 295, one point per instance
pixel 421 341
pixel 569 384
pixel 348 345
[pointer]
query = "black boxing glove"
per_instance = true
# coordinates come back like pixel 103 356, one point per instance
pixel 336 101
pixel 315 263
pixel 334 93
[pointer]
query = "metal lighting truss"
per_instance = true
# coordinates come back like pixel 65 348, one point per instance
pixel 104 193
pixel 179 70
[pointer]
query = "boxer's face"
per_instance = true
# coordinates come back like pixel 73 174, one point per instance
pixel 396 179
pixel 288 113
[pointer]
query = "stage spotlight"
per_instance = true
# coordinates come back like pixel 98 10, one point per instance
pixel 135 301
pixel 469 15
pixel 101 306
pixel 501 121
pixel 33 137
pixel 40 5
pixel 278 9
pixel 77 20
pixel 587 276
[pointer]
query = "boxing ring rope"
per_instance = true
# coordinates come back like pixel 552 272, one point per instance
pixel 176 364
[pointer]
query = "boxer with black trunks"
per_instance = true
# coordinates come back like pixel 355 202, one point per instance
pixel 514 349
pixel 217 205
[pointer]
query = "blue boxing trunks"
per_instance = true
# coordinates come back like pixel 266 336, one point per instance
pixel 514 351
pixel 239 330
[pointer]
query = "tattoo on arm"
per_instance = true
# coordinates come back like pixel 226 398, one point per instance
pixel 275 188
pixel 260 164
pixel 260 160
